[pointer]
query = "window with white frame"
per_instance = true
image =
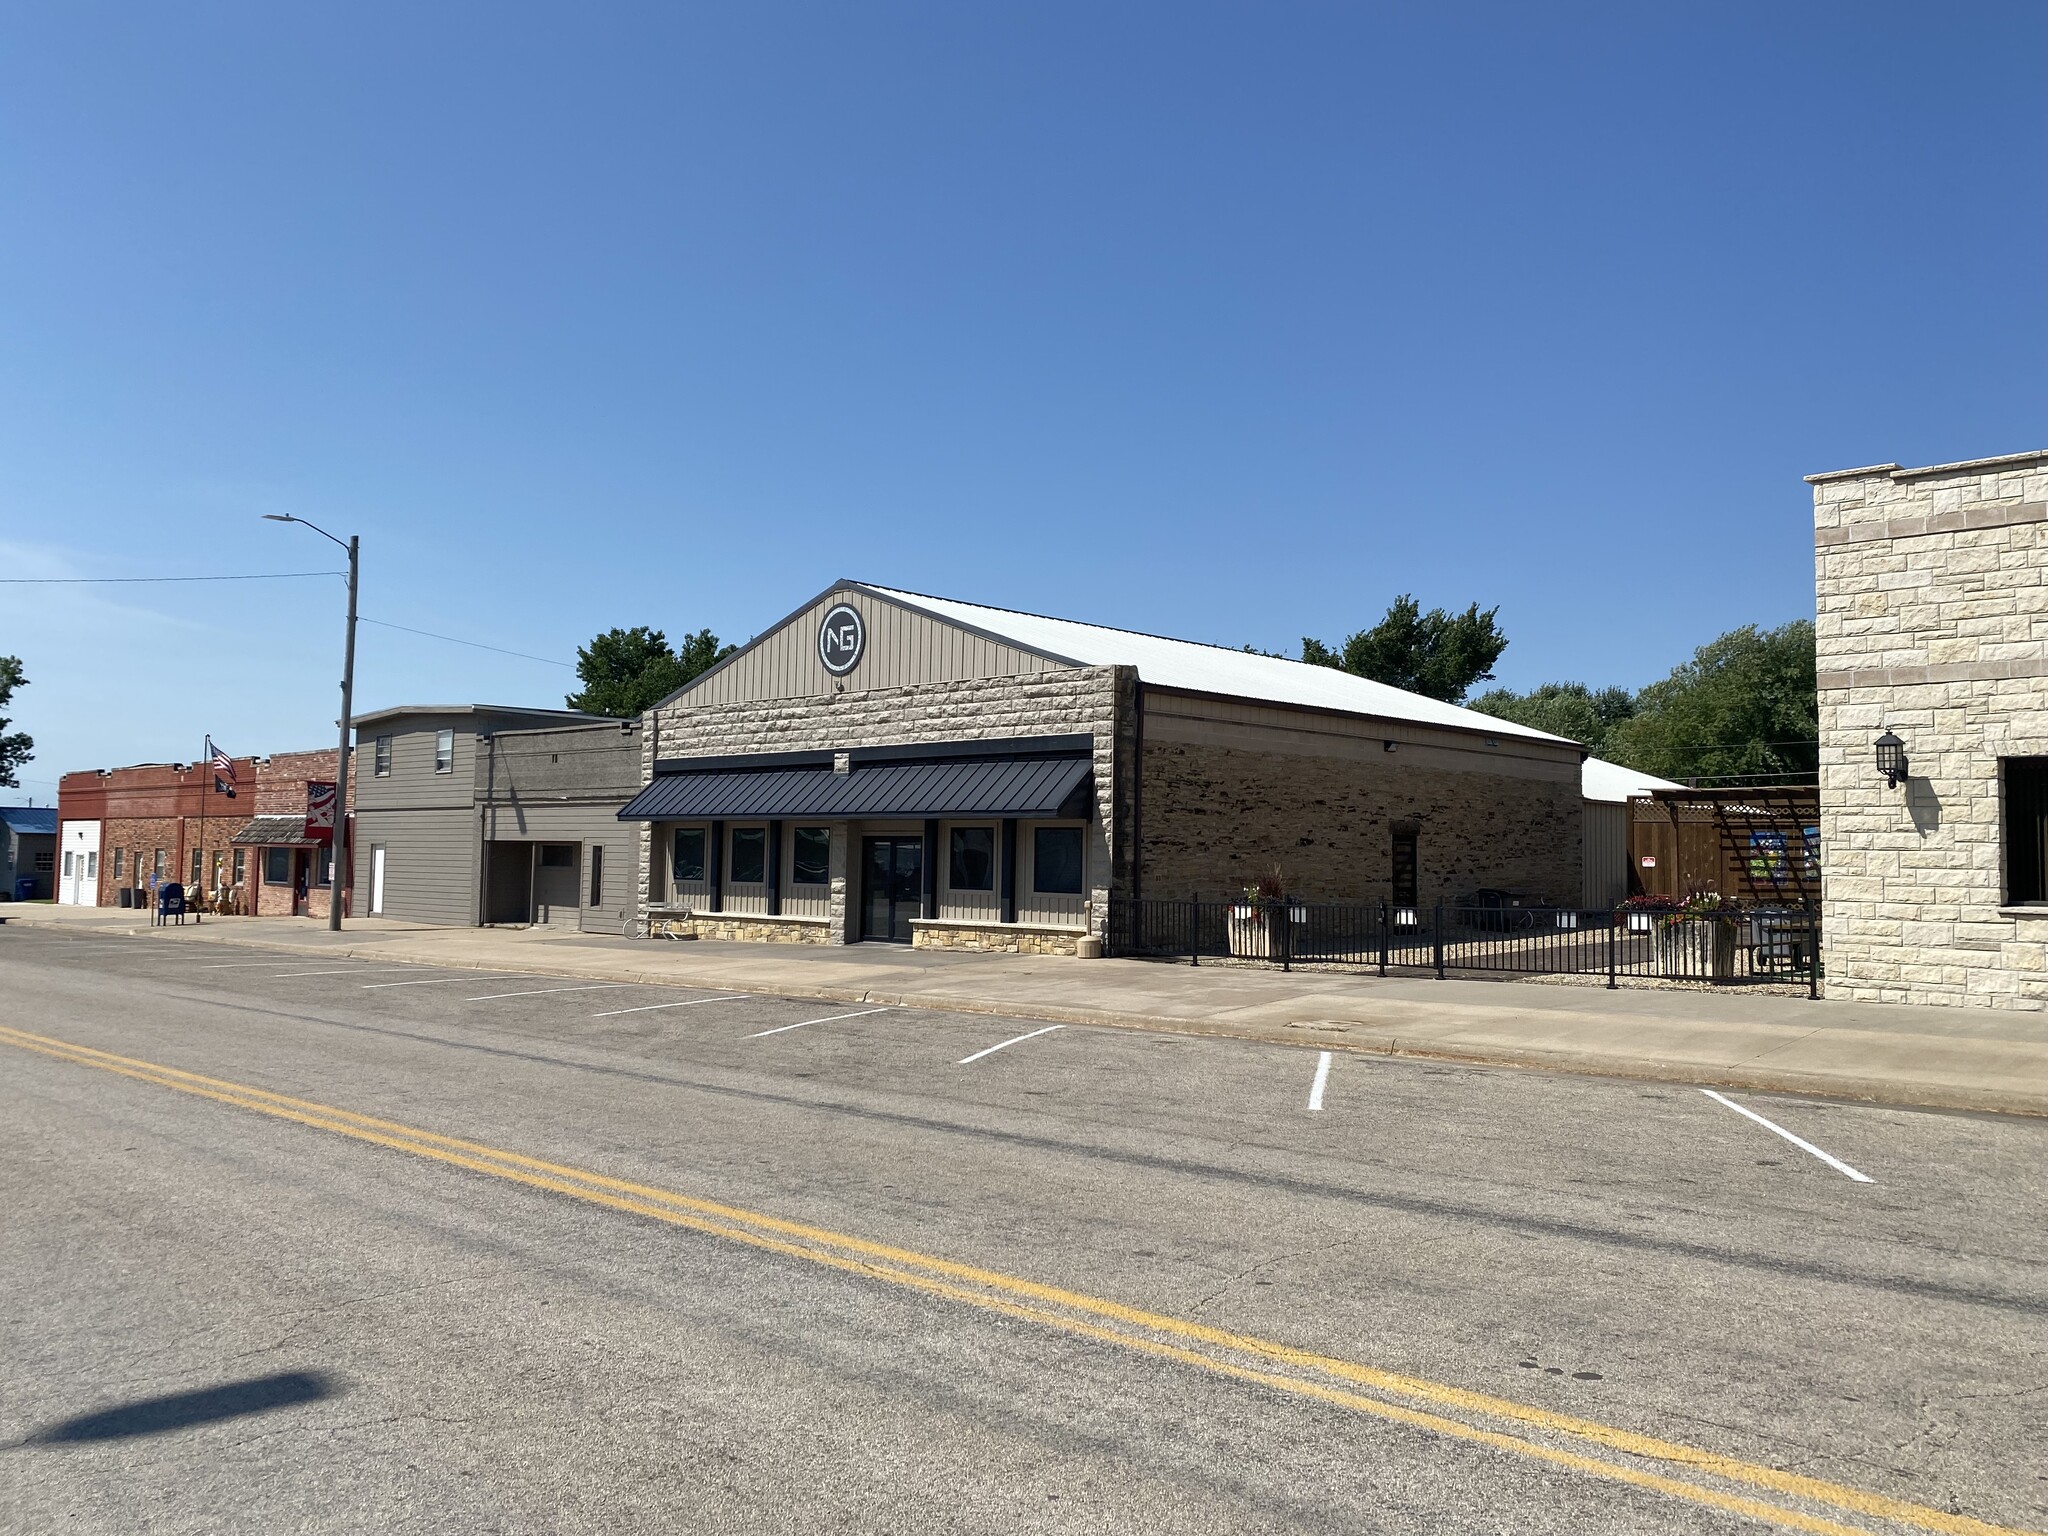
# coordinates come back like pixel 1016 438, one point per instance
pixel 382 767
pixel 444 751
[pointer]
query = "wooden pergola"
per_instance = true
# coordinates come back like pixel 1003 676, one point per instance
pixel 1759 847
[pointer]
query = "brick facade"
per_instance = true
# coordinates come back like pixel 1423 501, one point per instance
pixel 1932 621
pixel 162 806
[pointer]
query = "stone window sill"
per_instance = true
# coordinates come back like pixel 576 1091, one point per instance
pixel 2038 912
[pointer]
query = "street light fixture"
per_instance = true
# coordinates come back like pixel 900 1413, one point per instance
pixel 348 686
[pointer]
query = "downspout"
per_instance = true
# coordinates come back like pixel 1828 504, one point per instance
pixel 1138 795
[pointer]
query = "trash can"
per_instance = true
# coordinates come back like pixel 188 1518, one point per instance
pixel 25 888
pixel 125 897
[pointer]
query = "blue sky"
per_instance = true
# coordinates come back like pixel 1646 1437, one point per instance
pixel 1229 322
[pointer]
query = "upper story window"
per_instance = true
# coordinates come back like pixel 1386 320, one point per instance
pixel 2026 831
pixel 383 758
pixel 971 859
pixel 749 855
pixel 1056 861
pixel 444 751
pixel 811 863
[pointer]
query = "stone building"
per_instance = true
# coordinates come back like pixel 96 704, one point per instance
pixel 1932 618
pixel 886 765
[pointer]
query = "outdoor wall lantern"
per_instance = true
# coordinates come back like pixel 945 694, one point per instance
pixel 1891 759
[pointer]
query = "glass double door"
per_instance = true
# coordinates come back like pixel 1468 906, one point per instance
pixel 892 887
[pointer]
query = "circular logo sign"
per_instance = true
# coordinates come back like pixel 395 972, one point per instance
pixel 842 637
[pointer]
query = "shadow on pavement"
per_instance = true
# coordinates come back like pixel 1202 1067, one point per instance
pixel 180 1410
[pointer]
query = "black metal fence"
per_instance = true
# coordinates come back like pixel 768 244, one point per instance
pixel 1731 946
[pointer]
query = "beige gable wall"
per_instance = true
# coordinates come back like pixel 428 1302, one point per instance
pixel 904 649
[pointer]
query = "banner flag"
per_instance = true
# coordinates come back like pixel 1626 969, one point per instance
pixel 320 812
pixel 223 769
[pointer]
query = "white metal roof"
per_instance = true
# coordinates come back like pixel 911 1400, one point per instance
pixel 1212 668
pixel 1602 780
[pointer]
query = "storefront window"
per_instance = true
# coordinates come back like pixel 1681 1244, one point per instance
pixel 749 855
pixel 277 866
pixel 324 866
pixel 972 865
pixel 241 864
pixel 1056 861
pixel 812 864
pixel 687 861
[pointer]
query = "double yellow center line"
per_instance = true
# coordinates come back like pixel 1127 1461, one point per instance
pixel 1785 1499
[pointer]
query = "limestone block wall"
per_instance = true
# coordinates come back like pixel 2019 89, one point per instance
pixel 1216 817
pixel 1932 620
pixel 1068 701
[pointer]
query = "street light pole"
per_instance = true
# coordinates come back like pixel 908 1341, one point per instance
pixel 342 868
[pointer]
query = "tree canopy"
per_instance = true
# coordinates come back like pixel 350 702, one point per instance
pixel 626 671
pixel 1563 709
pixel 1745 705
pixel 16 747
pixel 1436 653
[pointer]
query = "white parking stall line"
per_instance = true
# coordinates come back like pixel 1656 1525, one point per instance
pixel 807 1023
pixel 688 1002
pixel 235 965
pixel 607 986
pixel 965 1060
pixel 348 970
pixel 438 981
pixel 1801 1143
pixel 1322 1081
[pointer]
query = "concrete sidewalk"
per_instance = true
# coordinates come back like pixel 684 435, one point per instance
pixel 1959 1058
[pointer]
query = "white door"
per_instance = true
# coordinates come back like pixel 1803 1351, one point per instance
pixel 78 864
pixel 376 880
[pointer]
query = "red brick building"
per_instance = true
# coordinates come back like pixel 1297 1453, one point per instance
pixel 165 821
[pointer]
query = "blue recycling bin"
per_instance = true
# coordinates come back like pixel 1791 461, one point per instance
pixel 25 888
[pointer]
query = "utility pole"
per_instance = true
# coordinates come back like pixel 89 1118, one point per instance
pixel 348 688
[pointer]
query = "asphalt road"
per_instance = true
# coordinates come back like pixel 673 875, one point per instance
pixel 334 1245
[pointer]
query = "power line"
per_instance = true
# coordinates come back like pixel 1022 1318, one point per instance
pixel 472 644
pixel 77 581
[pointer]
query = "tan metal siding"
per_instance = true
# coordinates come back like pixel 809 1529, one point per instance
pixel 1606 854
pixel 903 649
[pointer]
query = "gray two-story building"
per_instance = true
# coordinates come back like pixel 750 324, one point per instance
pixel 471 814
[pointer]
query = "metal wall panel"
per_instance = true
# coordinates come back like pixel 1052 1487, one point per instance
pixel 430 870
pixel 903 649
pixel 1606 855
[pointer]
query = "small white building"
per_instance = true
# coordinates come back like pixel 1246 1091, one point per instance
pixel 1608 788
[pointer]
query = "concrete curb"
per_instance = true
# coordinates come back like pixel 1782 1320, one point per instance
pixel 1332 1035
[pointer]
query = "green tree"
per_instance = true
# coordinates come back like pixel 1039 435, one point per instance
pixel 1436 653
pixel 1745 704
pixel 16 747
pixel 1563 709
pixel 626 671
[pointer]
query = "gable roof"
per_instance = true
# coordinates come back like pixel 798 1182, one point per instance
pixel 29 820
pixel 1602 780
pixel 1197 668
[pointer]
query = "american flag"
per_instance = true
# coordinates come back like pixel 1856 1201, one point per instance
pixel 223 769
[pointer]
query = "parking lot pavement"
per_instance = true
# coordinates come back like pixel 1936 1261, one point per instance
pixel 1642 1256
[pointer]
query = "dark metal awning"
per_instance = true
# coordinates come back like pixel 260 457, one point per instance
pixel 275 832
pixel 989 786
